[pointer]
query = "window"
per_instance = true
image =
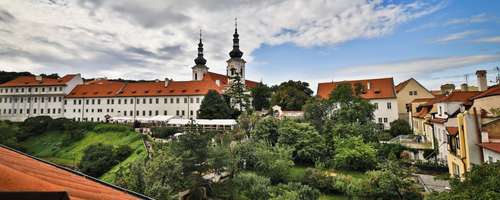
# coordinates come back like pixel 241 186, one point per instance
pixel 177 100
pixel 93 101
pixel 124 101
pixel 191 113
pixel 165 101
pixel 137 113
pixel 86 102
pixel 150 101
pixel 138 101
pixel 157 101
pixel 150 113
pixel 119 101
pixel 376 106
pixel 440 110
pixel 411 93
pixel 143 113
pixel 124 113
pixel 197 100
pixel 183 113
pixel 380 120
pixel 185 100
pixel 112 101
pixel 164 112
pixel 131 113
pixel 171 100
pixel 415 93
pixel 490 159
pixel 191 100
pixel 99 101
pixel 385 119
pixel 389 105
pixel 21 111
pixel 157 112
pixel 176 112
pixel 144 101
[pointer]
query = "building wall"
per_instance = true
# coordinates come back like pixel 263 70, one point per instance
pixel 441 138
pixel 96 109
pixel 404 97
pixel 486 103
pixel 386 112
pixel 19 103
pixel 490 156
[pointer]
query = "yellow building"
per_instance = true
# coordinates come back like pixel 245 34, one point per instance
pixel 473 132
pixel 406 92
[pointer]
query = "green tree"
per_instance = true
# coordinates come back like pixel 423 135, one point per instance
pixel 368 131
pixel 353 154
pixel 352 108
pixel 400 127
pixel 291 95
pixel 261 95
pixel 97 159
pixel 237 93
pixel 480 183
pixel 266 129
pixel 294 191
pixel 272 161
pixel 8 76
pixel 213 106
pixel 391 181
pixel 307 144
pixel 317 111
pixel 251 186
pixel 34 126
pixel 8 134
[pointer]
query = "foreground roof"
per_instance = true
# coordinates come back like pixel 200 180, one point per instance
pixel 31 81
pixel 491 146
pixel 106 88
pixel 23 173
pixel 382 88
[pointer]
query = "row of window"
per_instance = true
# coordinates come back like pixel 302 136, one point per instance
pixel 29 89
pixel 380 119
pixel 389 105
pixel 42 111
pixel 58 111
pixel 413 93
pixel 29 99
pixel 137 101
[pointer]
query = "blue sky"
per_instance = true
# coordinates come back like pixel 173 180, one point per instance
pixel 420 39
pixel 435 42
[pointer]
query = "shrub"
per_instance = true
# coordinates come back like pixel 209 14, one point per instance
pixel 8 134
pixel 58 124
pixel 101 128
pixel 33 126
pixel 251 186
pixel 122 152
pixel 400 127
pixel 164 132
pixel 353 154
pixel 327 183
pixel 97 159
pixel 303 192
pixel 431 166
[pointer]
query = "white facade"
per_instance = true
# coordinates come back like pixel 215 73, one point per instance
pixel 442 142
pixel 20 102
pixel 96 109
pixel 490 156
pixel 386 111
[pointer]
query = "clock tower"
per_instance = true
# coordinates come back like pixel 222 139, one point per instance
pixel 200 69
pixel 235 64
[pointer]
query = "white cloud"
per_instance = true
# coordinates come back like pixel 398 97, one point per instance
pixel 456 36
pixel 494 39
pixel 479 18
pixel 157 38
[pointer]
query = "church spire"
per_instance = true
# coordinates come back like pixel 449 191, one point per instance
pixel 200 60
pixel 236 52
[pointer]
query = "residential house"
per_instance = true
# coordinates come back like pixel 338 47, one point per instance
pixel 406 92
pixel 379 92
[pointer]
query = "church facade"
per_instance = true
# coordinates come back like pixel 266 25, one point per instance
pixel 101 99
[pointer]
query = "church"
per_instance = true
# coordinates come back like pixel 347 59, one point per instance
pixel 96 100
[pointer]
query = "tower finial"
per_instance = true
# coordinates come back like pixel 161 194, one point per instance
pixel 235 24
pixel 236 52
pixel 200 35
pixel 200 60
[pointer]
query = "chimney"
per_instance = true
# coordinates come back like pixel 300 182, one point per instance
pixel 464 87
pixel 368 85
pixel 482 85
pixel 38 78
pixel 217 82
pixel 167 81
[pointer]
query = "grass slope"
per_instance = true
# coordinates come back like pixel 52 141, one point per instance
pixel 49 146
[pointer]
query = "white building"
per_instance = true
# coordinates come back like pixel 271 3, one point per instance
pixel 30 96
pixel 379 92
pixel 101 99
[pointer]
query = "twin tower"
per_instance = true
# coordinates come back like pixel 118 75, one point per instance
pixel 235 64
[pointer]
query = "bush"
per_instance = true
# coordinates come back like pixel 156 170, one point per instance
pixel 33 126
pixel 97 159
pixel 8 133
pixel 353 154
pixel 400 127
pixel 122 152
pixel 431 166
pixel 385 151
pixel 164 132
pixel 303 192
pixel 251 186
pixel 101 128
pixel 58 124
pixel 326 183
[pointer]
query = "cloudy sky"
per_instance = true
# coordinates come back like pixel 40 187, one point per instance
pixel 311 40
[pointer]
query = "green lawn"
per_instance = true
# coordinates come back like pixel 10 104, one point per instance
pixel 49 146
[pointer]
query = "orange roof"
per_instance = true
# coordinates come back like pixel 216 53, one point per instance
pixel 422 100
pixel 422 113
pixel 459 96
pixel 491 146
pixel 22 173
pixel 382 88
pixel 492 91
pixel 31 81
pixel 438 120
pixel 105 88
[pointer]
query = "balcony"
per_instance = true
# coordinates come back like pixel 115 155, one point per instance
pixel 412 141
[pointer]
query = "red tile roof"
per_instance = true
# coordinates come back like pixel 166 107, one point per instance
pixel 452 130
pixel 31 81
pixel 492 91
pixel 422 100
pixel 422 113
pixel 105 88
pixel 459 96
pixel 22 173
pixel 438 120
pixel 382 88
pixel 491 146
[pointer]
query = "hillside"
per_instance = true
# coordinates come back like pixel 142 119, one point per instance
pixel 50 146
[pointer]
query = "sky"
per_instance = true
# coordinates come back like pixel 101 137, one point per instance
pixel 435 42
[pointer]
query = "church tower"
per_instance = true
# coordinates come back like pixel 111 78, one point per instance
pixel 236 65
pixel 200 69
